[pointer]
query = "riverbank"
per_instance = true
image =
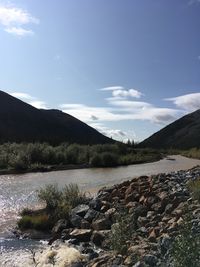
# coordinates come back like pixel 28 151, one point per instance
pixel 51 168
pixel 134 223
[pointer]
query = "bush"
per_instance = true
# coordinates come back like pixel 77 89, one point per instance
pixel 194 187
pixel 121 233
pixel 185 249
pixel 72 196
pixel 50 195
pixel 105 159
pixel 60 202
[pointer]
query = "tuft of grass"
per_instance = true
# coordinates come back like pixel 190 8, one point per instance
pixel 38 222
pixel 194 187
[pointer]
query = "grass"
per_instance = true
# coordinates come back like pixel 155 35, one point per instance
pixel 37 222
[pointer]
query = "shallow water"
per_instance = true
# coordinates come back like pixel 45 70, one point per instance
pixel 19 191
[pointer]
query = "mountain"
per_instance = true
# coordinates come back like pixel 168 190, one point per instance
pixel 184 133
pixel 21 122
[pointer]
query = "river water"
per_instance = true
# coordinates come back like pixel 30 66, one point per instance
pixel 19 191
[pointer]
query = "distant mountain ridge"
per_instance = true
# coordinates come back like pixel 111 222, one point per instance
pixel 184 133
pixel 21 122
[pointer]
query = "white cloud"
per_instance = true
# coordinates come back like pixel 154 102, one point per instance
pixel 19 31
pixel 119 92
pixel 13 19
pixel 22 96
pixel 127 93
pixel 38 104
pixel 112 88
pixel 123 110
pixel 114 133
pixel 33 101
pixel 189 102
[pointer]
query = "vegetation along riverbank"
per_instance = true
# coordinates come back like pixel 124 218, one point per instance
pixel 32 157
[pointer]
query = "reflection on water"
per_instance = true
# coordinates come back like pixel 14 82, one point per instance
pixel 19 191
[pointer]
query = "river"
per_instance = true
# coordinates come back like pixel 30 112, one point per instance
pixel 19 191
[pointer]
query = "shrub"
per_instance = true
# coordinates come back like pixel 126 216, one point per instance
pixel 194 187
pixel 185 249
pixel 51 195
pixel 121 233
pixel 72 196
pixel 60 202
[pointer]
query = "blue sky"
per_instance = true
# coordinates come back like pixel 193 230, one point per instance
pixel 127 68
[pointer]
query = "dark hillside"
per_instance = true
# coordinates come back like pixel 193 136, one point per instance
pixel 184 133
pixel 21 122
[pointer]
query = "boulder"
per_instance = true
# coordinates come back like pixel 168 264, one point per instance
pixel 82 235
pixel 59 226
pixel 76 220
pixel 102 224
pixel 90 215
pixel 80 210
pixel 97 238
pixel 95 204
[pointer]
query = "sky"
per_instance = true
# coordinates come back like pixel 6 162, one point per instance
pixel 125 67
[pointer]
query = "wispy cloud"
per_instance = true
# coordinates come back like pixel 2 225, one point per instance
pixel 23 96
pixel 188 102
pixel 13 20
pixel 113 133
pixel 192 2
pixel 112 88
pixel 122 107
pixel 33 101
pixel 119 92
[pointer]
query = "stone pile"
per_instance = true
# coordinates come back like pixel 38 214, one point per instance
pixel 156 206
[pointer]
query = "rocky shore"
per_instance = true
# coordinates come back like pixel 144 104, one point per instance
pixel 150 211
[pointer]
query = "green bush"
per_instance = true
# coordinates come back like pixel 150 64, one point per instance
pixel 72 196
pixel 51 195
pixel 194 187
pixel 105 159
pixel 185 251
pixel 121 233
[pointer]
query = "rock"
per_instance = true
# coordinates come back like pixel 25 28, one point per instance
pixel 168 208
pixel 76 220
pixel 93 255
pixel 95 204
pixel 85 224
pixel 102 224
pixel 59 226
pixel 82 235
pixel 142 221
pixel 152 236
pixel 80 210
pixel 140 211
pixel 97 238
pixel 164 244
pixel 151 260
pixel 110 213
pixel 77 264
pixel 90 215
pixel 65 235
pixel 138 264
